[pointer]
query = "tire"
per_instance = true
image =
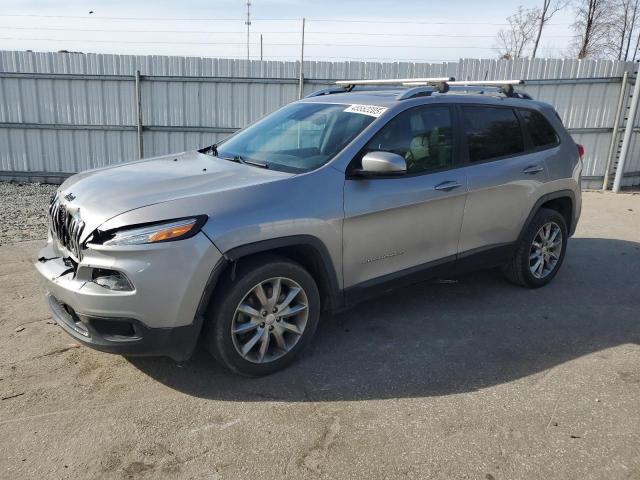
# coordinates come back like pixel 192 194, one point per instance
pixel 237 306
pixel 519 268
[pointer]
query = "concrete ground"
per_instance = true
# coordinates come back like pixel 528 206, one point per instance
pixel 478 379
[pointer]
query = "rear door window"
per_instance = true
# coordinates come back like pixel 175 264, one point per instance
pixel 540 130
pixel 491 132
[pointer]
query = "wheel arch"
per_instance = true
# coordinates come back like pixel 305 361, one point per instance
pixel 564 206
pixel 562 201
pixel 306 250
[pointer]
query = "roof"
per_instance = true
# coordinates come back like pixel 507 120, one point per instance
pixel 386 97
pixel 389 98
pixel 388 92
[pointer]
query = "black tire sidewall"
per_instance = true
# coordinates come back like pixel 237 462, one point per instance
pixel 219 338
pixel 541 218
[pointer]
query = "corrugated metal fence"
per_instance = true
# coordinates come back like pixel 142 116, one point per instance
pixel 62 113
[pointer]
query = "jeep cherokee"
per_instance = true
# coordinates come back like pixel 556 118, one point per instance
pixel 331 199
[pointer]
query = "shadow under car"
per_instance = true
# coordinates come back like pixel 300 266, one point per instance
pixel 441 338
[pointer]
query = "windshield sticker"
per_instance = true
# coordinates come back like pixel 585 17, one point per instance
pixel 371 110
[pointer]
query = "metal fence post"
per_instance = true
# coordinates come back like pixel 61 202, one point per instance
pixel 628 132
pixel 301 84
pixel 616 131
pixel 139 115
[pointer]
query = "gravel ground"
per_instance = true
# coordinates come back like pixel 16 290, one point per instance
pixel 24 213
pixel 477 379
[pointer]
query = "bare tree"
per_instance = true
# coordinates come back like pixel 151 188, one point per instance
pixel 514 41
pixel 624 22
pixel 592 27
pixel 632 26
pixel 545 13
pixel 635 51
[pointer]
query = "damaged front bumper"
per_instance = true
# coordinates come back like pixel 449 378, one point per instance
pixel 161 314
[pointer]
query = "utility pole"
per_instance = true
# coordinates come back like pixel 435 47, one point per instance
pixel 301 83
pixel 628 133
pixel 260 47
pixel 248 23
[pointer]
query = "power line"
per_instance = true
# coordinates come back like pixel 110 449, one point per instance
pixel 238 32
pixel 322 20
pixel 294 58
pixel 340 20
pixel 173 42
pixel 434 35
pixel 64 29
pixel 387 46
pixel 315 57
pixel 132 42
pixel 393 59
pixel 164 19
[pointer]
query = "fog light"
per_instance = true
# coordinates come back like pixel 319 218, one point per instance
pixel 111 279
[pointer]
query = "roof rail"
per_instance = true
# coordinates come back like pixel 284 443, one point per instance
pixel 499 86
pixel 423 90
pixel 502 86
pixel 328 91
pixel 418 87
pixel 486 83
pixel 395 81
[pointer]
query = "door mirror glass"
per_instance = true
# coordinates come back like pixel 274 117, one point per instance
pixel 383 163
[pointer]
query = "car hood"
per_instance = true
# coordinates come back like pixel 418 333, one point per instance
pixel 103 193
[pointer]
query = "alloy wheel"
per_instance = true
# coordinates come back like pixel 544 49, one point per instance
pixel 545 250
pixel 270 320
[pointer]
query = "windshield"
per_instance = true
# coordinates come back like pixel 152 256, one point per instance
pixel 297 138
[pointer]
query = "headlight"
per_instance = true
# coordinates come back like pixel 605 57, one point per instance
pixel 155 233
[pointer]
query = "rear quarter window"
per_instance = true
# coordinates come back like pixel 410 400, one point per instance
pixel 492 132
pixel 540 130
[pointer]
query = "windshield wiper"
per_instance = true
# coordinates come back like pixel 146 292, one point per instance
pixel 239 159
pixel 213 150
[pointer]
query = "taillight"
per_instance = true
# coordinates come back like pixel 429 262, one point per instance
pixel 580 151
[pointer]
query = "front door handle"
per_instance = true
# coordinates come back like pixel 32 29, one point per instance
pixel 532 169
pixel 447 186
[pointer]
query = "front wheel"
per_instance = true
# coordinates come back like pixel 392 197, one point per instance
pixel 540 251
pixel 260 322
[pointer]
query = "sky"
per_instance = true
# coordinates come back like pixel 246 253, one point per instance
pixel 382 30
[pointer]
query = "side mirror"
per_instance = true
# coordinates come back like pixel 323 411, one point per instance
pixel 383 163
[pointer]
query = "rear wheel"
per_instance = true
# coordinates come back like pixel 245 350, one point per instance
pixel 260 322
pixel 540 252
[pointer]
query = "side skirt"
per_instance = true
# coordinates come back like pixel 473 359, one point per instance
pixel 392 281
pixel 484 258
pixel 466 262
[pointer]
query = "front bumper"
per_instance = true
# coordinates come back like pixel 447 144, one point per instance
pixel 161 315
pixel 126 336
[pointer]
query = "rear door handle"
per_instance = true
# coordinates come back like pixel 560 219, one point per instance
pixel 447 186
pixel 531 169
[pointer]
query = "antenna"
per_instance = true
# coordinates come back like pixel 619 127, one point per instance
pixel 248 24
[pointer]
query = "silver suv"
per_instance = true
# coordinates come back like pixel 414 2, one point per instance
pixel 345 194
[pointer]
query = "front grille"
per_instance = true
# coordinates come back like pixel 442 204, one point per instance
pixel 66 227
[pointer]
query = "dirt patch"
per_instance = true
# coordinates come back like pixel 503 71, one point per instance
pixel 23 215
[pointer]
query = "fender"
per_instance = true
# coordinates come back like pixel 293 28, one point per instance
pixel 544 199
pixel 328 273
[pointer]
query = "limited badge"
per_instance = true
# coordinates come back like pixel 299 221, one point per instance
pixel 371 110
